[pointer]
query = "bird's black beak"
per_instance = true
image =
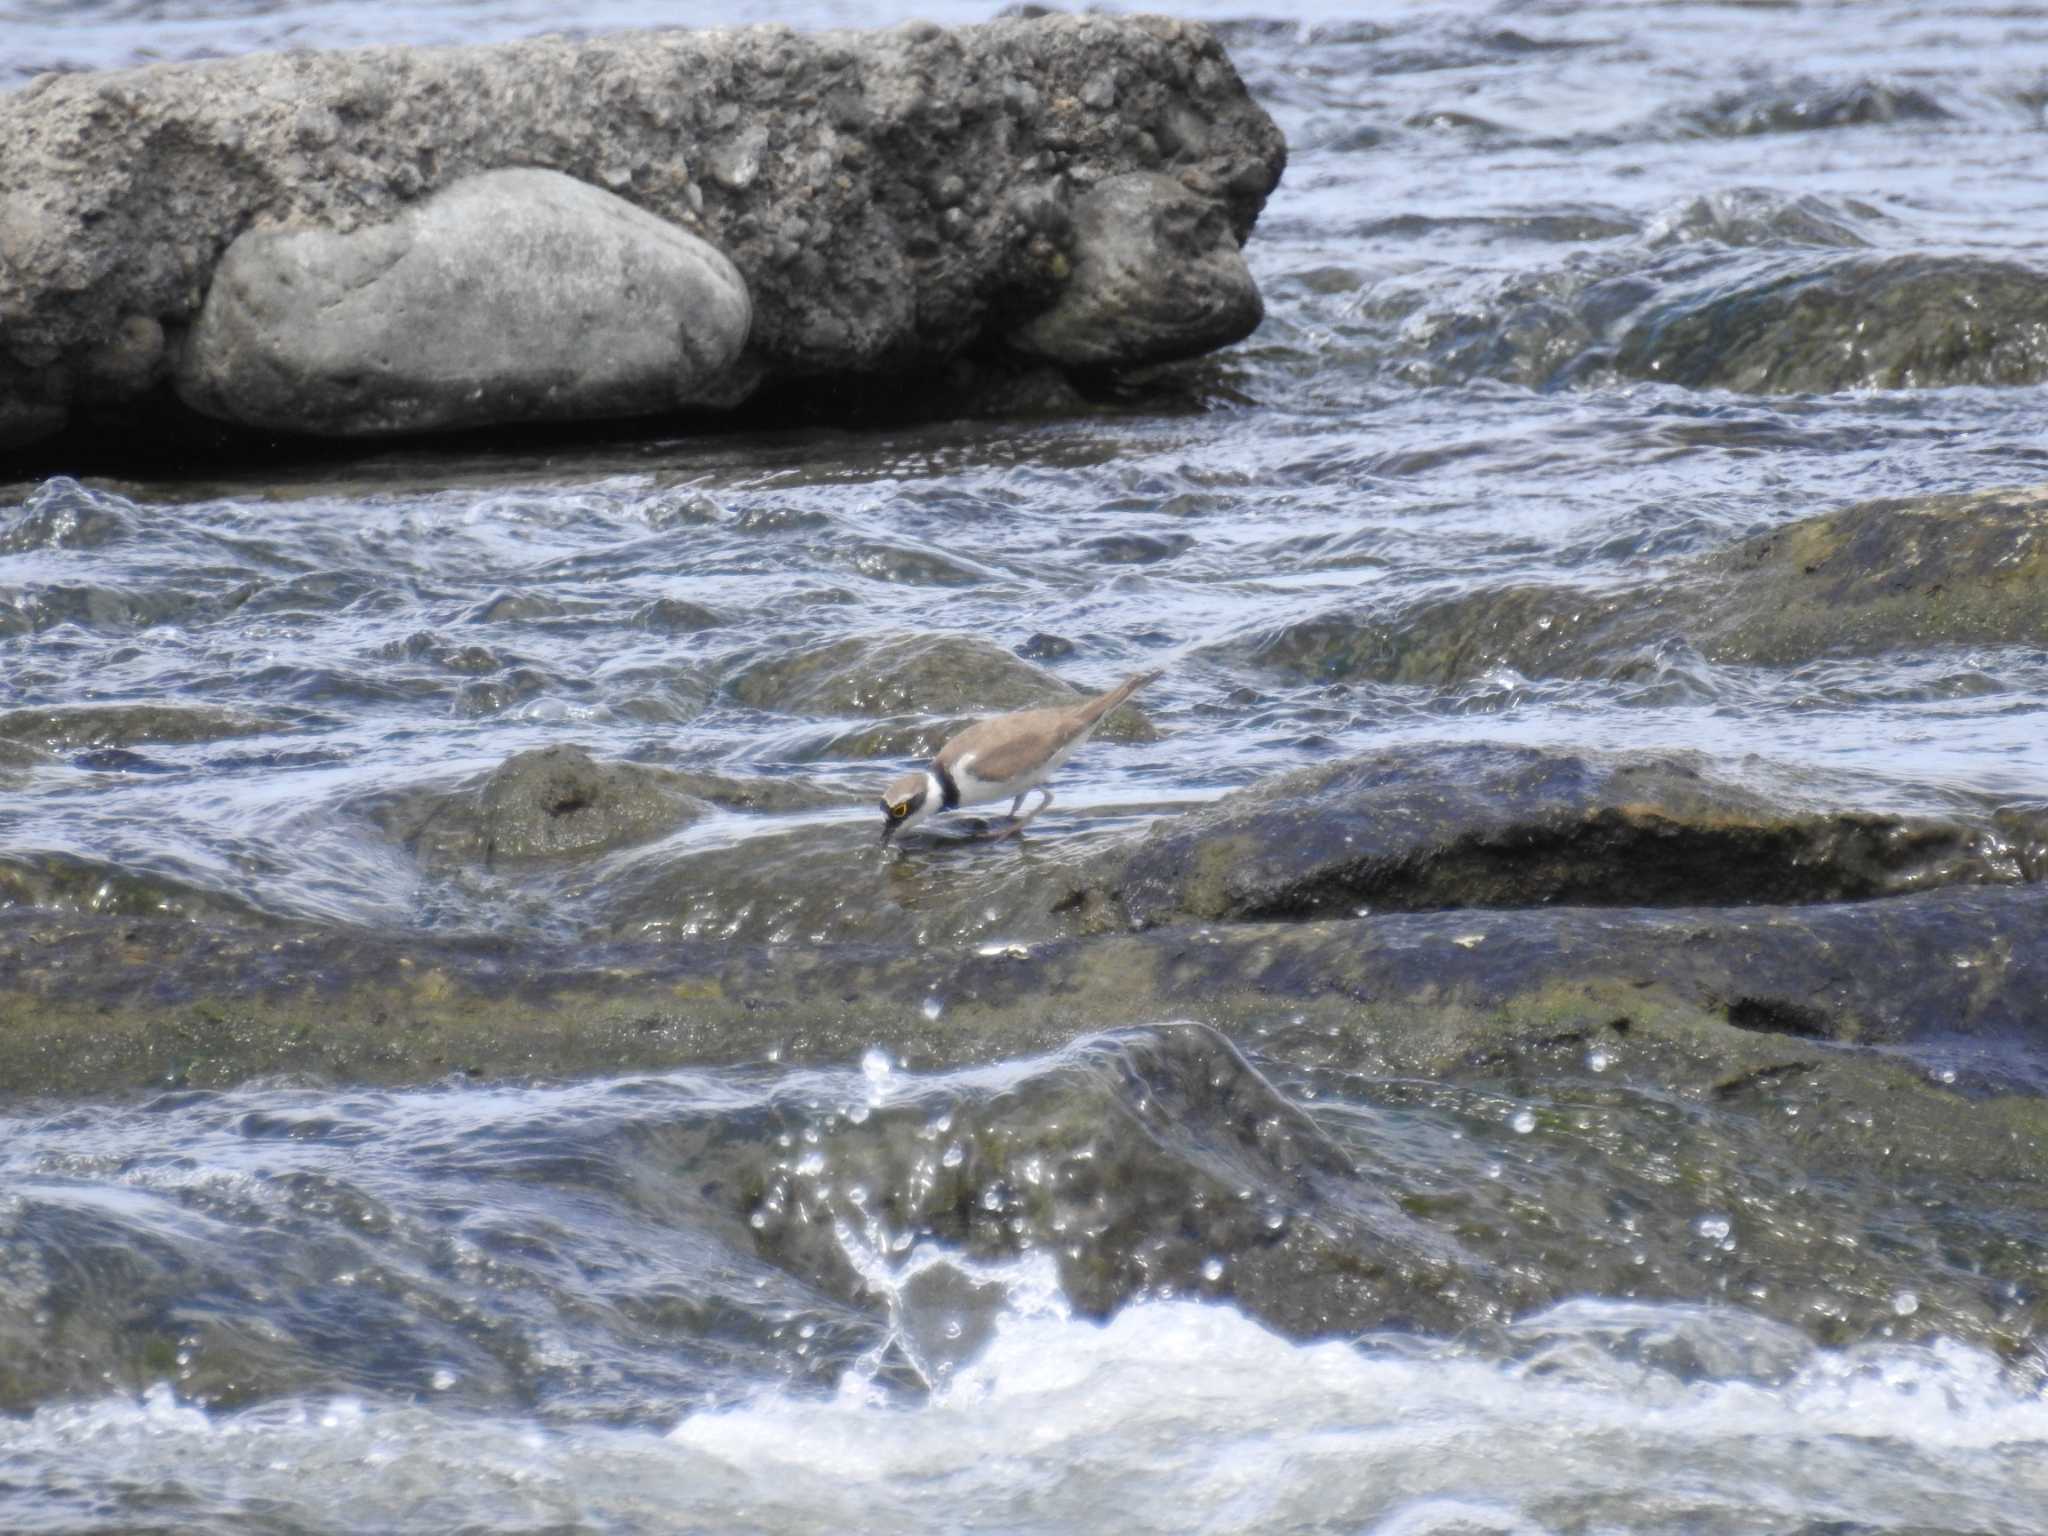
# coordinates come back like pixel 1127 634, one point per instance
pixel 888 831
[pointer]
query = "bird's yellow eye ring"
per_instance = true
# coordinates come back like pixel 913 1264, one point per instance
pixel 900 811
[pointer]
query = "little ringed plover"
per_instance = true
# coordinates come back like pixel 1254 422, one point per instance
pixel 1004 757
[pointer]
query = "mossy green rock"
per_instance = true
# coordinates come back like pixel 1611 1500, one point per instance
pixel 1876 577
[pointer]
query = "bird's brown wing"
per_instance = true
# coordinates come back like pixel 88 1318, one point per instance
pixel 1010 745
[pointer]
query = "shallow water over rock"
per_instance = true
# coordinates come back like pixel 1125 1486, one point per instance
pixel 481 1070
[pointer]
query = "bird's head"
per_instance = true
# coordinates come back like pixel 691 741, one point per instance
pixel 908 802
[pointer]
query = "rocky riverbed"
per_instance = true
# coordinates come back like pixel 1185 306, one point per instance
pixel 1537 1021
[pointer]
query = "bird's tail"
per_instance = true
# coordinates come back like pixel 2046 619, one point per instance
pixel 1101 705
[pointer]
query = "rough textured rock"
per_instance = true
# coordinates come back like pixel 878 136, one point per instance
pixel 514 295
pixel 88 1002
pixel 1157 276
pixel 1940 570
pixel 890 198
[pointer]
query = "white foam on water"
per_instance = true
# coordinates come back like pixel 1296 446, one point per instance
pixel 1172 1416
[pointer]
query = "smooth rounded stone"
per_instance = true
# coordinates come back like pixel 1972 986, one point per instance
pixel 1860 322
pixel 1157 276
pixel 1969 569
pixel 893 674
pixel 1491 826
pixel 517 295
pixel 553 802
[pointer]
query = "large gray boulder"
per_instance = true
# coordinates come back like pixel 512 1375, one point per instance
pixel 890 199
pixel 513 295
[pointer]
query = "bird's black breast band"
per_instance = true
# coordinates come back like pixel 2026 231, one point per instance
pixel 949 792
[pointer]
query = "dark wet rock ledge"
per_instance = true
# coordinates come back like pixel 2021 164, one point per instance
pixel 1418 907
pixel 401 241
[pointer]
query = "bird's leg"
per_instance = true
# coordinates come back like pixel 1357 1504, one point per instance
pixel 1018 824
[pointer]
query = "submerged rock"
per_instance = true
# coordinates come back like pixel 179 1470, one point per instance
pixel 515 295
pixel 1799 106
pixel 1966 569
pixel 890 674
pixel 549 803
pixel 1937 570
pixel 73 726
pixel 1863 322
pixel 891 200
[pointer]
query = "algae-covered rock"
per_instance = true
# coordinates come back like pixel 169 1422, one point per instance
pixel 1531 1104
pixel 549 803
pixel 1496 826
pixel 892 674
pixel 89 1003
pixel 70 727
pixel 1883 575
pixel 1862 322
pixel 1968 569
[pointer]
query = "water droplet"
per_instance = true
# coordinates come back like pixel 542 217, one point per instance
pixel 1524 1122
pixel 758 1221
pixel 1905 1303
pixel 933 1007
pixel 992 1199
pixel 1598 1060
pixel 953 1156
pixel 1212 1271
pixel 443 1379
pixel 876 1066
pixel 1713 1228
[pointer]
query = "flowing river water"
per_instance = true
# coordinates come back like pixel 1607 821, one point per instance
pixel 765 1297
